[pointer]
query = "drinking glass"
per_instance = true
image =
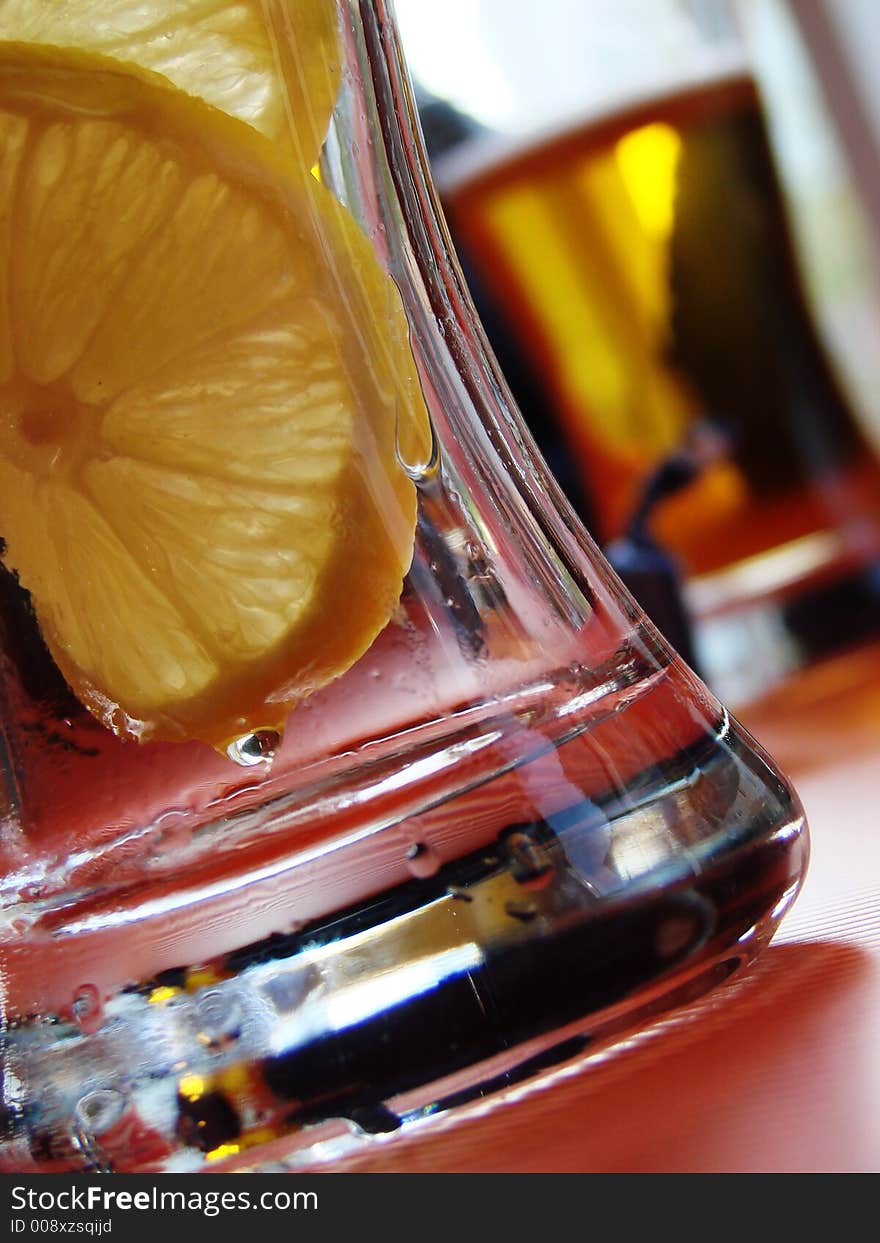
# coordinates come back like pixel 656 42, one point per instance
pixel 281 876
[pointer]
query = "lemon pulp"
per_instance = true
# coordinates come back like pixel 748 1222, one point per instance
pixel 203 370
pixel 272 63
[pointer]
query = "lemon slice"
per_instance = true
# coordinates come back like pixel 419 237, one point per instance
pixel 273 64
pixel 204 378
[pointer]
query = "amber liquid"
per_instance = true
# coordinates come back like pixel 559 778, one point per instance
pixel 643 269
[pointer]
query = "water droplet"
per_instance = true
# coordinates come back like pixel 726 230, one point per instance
pixel 423 472
pixel 256 748
pixel 99 1110
pixel 421 860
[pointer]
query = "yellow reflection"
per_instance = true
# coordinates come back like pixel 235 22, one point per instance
pixel 192 1087
pixel 164 993
pixel 201 977
pixel 221 1151
pixel 647 159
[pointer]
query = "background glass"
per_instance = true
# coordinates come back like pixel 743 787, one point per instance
pixel 632 233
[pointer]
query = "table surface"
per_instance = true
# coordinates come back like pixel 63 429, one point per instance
pixel 777 1071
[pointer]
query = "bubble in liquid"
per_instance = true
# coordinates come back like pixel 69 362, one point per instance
pixel 258 747
pixel 87 1008
pixel 219 1016
pixel 421 860
pixel 99 1110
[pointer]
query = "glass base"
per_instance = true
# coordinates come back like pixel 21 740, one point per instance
pixel 556 928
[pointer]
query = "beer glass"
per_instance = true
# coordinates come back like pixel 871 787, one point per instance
pixel 638 252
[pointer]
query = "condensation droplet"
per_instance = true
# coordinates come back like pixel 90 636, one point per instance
pixel 256 748
pixel 424 472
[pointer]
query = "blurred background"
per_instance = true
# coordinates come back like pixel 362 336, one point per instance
pixel 667 212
